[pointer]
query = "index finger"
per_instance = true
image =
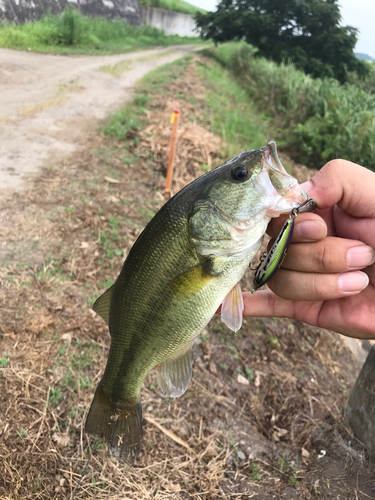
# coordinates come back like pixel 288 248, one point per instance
pixel 345 184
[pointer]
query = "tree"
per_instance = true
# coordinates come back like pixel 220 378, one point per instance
pixel 308 32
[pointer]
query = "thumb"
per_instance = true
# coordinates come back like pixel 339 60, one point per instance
pixel 345 184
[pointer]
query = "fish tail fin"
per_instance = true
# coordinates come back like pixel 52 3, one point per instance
pixel 120 426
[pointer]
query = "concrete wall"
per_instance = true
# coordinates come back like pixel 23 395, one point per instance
pixel 20 11
pixel 173 23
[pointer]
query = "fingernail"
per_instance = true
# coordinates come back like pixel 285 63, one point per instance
pixel 353 282
pixel 360 256
pixel 307 186
pixel 311 230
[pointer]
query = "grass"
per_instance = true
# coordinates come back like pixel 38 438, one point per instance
pixel 229 112
pixel 70 32
pixel 316 119
pixel 173 5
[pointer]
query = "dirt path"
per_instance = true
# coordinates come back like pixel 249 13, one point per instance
pixel 49 103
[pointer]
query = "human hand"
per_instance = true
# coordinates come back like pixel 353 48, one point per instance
pixel 320 282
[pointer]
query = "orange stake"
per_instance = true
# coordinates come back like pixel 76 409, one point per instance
pixel 168 183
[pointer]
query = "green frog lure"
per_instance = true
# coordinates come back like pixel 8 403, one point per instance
pixel 270 262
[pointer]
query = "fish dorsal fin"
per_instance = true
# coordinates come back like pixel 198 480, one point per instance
pixel 231 309
pixel 102 304
pixel 175 374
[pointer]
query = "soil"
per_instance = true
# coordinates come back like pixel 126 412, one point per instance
pixel 263 417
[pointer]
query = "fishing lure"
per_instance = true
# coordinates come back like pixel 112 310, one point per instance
pixel 270 262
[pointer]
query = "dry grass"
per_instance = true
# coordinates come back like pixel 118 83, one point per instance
pixel 61 242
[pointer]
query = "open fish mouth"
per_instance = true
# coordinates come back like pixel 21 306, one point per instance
pixel 271 158
pixel 281 187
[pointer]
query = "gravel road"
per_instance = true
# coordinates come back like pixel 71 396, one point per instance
pixel 50 103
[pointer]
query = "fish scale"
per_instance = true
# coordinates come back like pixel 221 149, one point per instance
pixel 188 260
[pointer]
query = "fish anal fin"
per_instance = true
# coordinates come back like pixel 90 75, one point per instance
pixel 120 426
pixel 232 309
pixel 175 373
pixel 102 304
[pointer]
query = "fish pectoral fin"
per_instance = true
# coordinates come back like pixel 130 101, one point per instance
pixel 232 308
pixel 191 281
pixel 102 304
pixel 175 374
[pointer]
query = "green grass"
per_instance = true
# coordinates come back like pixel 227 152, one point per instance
pixel 4 360
pixel 229 111
pixel 174 5
pixel 73 33
pixel 316 119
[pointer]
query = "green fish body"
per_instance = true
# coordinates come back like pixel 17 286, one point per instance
pixel 186 263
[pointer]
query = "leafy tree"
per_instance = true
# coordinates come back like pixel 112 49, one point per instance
pixel 308 32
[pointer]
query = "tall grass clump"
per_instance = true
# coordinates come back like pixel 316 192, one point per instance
pixel 72 32
pixel 317 119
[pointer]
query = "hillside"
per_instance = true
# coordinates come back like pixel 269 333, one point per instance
pixel 365 57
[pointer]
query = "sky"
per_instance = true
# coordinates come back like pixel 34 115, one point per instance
pixel 357 13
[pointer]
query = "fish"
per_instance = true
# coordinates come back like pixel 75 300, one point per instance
pixel 187 262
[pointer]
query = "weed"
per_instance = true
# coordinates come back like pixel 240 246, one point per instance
pixel 293 478
pixel 106 284
pixel 146 212
pixel 86 383
pixel 122 122
pixel 141 99
pixel 249 373
pixel 4 361
pixel 63 349
pixel 274 342
pixel 129 160
pixel 256 472
pixel 55 396
pixel 22 433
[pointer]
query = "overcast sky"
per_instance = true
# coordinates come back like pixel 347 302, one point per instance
pixel 357 13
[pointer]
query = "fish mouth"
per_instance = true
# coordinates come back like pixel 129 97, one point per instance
pixel 283 190
pixel 271 158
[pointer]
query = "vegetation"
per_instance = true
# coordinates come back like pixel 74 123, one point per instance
pixel 72 32
pixel 317 119
pixel 174 5
pixel 309 33
pixel 368 83
pixel 227 111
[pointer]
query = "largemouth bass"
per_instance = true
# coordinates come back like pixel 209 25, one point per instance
pixel 185 264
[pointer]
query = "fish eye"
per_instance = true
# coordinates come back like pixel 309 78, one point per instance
pixel 240 173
